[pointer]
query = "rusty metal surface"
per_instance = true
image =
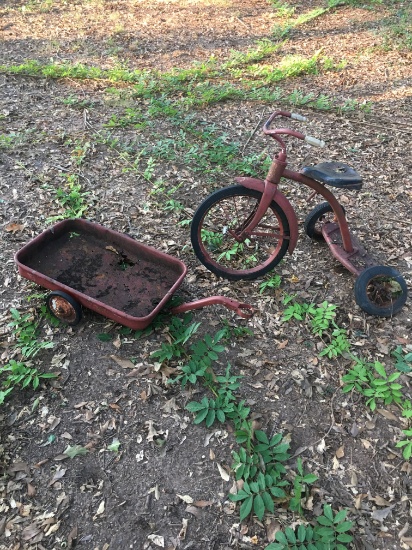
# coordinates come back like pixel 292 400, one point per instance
pixel 105 271
pixel 242 309
pixel 356 260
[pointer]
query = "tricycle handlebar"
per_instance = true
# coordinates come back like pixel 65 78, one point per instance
pixel 288 131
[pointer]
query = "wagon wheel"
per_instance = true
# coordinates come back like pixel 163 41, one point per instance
pixel 64 307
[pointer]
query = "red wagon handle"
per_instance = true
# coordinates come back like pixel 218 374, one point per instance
pixel 243 310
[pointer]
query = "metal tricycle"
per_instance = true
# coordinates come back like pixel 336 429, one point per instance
pixel 84 263
pixel 243 231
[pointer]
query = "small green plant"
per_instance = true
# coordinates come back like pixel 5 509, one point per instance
pixel 272 282
pixel 76 102
pixel 173 205
pixel 329 533
pixel 71 198
pixel 230 332
pixel 22 373
pixel 372 381
pixel 403 361
pixel 222 406
pixel 296 310
pixel 406 444
pixel 10 140
pixel 322 317
pixel 299 487
pixel 323 325
pixel 25 331
pixel 338 344
pixel 180 332
pixel 257 496
pixel 80 151
pixel 204 352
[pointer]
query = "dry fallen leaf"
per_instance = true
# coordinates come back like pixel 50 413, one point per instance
pixel 193 510
pixel 387 414
pixel 14 227
pixel 182 532
pixel 186 498
pixel 379 501
pixel 283 344
pixel 358 500
pixel 223 473
pixel 321 447
pixel 72 537
pixel 152 432
pixel 157 540
pixel 381 514
pixel 30 531
pixel 52 529
pixel 203 503
pixel 57 475
pixel 340 452
pixel 100 509
pixel 124 363
pixel 154 490
pixel 272 527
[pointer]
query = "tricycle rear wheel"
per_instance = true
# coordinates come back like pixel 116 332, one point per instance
pixel 64 307
pixel 321 214
pixel 380 290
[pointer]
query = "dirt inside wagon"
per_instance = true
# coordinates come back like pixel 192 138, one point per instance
pixel 130 113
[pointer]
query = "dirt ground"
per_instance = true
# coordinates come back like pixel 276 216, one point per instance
pixel 165 486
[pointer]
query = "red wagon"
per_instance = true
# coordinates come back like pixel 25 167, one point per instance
pixel 84 263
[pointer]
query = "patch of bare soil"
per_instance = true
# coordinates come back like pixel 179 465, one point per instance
pixel 167 484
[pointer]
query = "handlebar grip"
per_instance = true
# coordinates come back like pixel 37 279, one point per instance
pixel 299 117
pixel 314 141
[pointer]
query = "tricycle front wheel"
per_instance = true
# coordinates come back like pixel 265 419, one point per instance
pixel 380 290
pixel 64 307
pixel 222 217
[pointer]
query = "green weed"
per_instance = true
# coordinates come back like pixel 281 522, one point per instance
pixel 74 101
pixel 329 532
pixel 406 444
pixel 71 198
pixel 372 381
pixel 25 331
pixel 322 322
pixel 22 373
pixel 300 482
pixel 403 359
pixel 10 140
pixel 271 282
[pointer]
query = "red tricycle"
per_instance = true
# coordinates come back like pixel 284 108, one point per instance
pixel 243 231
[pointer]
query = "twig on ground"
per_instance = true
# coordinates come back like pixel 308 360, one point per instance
pixel 254 132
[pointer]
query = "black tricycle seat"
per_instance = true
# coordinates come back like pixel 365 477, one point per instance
pixel 336 174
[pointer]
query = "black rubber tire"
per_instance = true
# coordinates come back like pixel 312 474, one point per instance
pixel 376 300
pixel 64 307
pixel 272 248
pixel 314 217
